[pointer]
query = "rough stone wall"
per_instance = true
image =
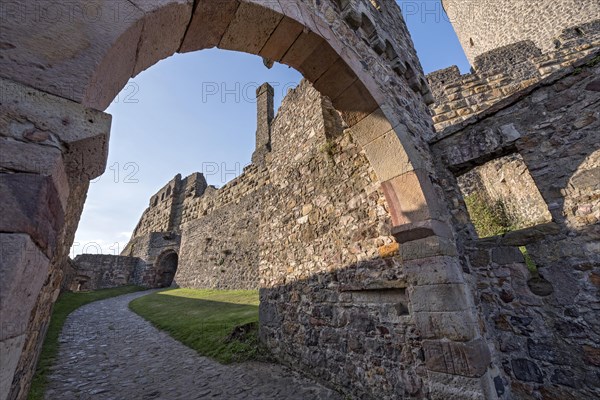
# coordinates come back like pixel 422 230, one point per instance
pixel 253 178
pixel 314 226
pixel 502 72
pixel 327 304
pixel 101 271
pixel 220 250
pixel 165 211
pixel 485 25
pixel 138 265
pixel 542 322
pixel 40 315
pixel 149 248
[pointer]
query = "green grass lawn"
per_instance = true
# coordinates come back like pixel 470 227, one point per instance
pixel 205 319
pixel 65 305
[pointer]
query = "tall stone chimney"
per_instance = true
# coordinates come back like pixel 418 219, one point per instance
pixel 265 114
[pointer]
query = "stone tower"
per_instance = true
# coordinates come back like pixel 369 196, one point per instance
pixel 484 25
pixel 265 112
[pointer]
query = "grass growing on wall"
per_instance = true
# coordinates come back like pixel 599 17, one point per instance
pixel 531 265
pixel 65 304
pixel 489 217
pixel 221 324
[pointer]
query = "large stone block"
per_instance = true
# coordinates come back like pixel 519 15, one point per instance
pixel 165 24
pixel 208 24
pixel 355 103
pixel 305 44
pixel 440 297
pixel 318 62
pixel 10 353
pixel 81 50
pixel 444 386
pixel 433 271
pixel 31 204
pixel 372 127
pixel 427 247
pixel 469 359
pixel 420 230
pixel 27 114
pixel 458 326
pixel 33 158
pixel 282 38
pixel 24 268
pixel 250 28
pixel 411 198
pixel 335 80
pixel 387 156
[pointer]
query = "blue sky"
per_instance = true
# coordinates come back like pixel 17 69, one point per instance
pixel 196 112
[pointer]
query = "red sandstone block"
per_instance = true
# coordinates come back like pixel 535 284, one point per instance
pixel 411 198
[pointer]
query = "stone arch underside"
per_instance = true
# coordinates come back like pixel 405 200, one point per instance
pixel 58 73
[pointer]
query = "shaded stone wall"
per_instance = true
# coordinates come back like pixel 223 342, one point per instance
pixel 485 25
pixel 100 271
pixel 141 266
pixel 148 248
pixel 541 321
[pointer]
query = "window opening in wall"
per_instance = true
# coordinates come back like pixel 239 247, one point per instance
pixel 501 197
pixel 390 52
pixel 368 28
pixel 472 42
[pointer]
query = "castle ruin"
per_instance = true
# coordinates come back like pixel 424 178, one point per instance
pixel 353 219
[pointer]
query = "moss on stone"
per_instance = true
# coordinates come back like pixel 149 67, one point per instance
pixel 490 217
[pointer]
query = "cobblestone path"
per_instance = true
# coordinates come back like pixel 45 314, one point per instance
pixel 109 352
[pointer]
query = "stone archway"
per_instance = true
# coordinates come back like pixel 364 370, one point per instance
pixel 64 61
pixel 165 268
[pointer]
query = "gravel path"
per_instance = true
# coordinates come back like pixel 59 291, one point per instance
pixel 109 352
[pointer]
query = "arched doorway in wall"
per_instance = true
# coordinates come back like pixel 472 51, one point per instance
pixel 166 267
pixel 375 92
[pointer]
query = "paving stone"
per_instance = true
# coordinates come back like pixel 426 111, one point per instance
pixel 109 352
